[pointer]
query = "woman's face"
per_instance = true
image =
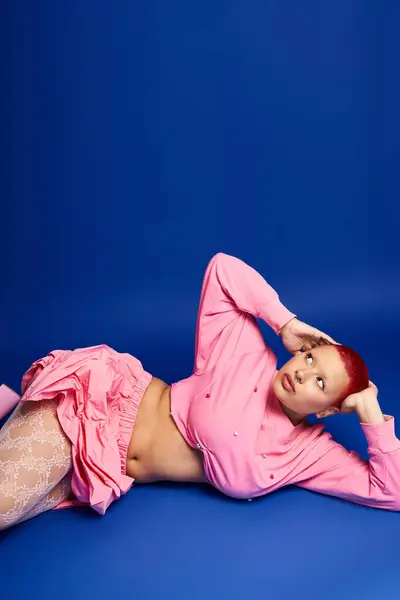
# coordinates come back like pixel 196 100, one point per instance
pixel 321 378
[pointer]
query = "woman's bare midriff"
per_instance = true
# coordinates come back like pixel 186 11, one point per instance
pixel 157 450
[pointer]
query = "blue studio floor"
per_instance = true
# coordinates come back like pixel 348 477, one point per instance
pixel 178 541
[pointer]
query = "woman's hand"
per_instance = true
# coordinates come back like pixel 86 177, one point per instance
pixel 357 401
pixel 297 336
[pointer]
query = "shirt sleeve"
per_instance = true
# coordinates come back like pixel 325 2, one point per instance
pixel 345 474
pixel 232 295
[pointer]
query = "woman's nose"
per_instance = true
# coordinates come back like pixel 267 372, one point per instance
pixel 301 375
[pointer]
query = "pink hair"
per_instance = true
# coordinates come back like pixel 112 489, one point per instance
pixel 356 369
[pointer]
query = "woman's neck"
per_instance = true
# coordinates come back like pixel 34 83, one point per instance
pixel 294 417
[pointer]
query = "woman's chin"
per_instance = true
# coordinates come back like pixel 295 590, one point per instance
pixel 283 396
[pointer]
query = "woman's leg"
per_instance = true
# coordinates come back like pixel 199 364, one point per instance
pixel 62 491
pixel 35 462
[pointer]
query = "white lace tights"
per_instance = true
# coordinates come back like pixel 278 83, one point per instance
pixel 35 462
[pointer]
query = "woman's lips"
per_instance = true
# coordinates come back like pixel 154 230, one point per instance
pixel 287 382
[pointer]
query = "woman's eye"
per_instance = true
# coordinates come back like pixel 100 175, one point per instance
pixel 323 385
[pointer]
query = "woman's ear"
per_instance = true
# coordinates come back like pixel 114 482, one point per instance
pixel 327 413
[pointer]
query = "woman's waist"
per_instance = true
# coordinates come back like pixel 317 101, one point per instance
pixel 157 450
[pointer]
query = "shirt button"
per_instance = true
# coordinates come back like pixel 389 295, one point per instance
pixel 198 445
pixel 272 476
pixel 255 389
pixel 264 456
pixel 207 395
pixel 235 433
pixel 249 499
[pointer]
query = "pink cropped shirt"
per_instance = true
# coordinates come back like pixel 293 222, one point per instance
pixel 227 410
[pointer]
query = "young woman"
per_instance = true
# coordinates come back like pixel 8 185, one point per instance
pixel 92 422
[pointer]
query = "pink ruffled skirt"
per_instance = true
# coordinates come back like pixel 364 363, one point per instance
pixel 98 391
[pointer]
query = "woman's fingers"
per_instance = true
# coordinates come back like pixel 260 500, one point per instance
pixel 321 341
pixel 326 339
pixel 316 340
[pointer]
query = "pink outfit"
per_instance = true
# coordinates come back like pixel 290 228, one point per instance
pixel 227 410
pixel 99 392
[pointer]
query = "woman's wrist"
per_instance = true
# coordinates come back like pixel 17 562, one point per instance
pixel 288 324
pixel 369 411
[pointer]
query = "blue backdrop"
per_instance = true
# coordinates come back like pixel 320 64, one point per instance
pixel 137 140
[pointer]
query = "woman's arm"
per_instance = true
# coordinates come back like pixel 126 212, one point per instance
pixel 344 474
pixel 232 294
pixel 369 411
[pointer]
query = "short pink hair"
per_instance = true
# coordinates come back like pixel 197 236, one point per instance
pixel 356 369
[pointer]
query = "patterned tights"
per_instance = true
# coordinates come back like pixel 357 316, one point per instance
pixel 35 463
